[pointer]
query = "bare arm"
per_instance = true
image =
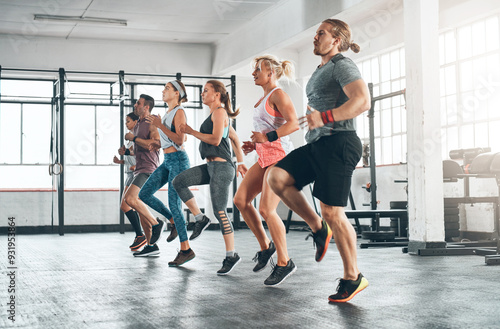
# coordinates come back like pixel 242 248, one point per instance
pixel 154 137
pixel 359 102
pixel 218 118
pixel 235 142
pixel 180 118
pixel 284 105
pixel 280 101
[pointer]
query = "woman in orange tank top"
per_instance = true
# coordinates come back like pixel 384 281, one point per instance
pixel 274 120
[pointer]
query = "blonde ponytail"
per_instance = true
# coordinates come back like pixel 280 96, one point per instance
pixel 281 68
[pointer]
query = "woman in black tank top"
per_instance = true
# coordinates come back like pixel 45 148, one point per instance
pixel 219 170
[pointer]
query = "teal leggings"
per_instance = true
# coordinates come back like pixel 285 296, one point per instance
pixel 173 164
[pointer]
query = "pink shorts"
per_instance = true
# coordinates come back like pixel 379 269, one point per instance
pixel 269 152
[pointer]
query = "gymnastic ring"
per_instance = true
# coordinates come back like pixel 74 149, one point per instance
pixel 52 170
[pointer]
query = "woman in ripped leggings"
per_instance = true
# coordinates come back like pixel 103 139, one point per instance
pixel 214 135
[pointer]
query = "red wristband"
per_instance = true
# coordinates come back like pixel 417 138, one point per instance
pixel 329 114
pixel 327 117
pixel 324 118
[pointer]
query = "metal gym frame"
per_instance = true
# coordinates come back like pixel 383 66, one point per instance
pixel 374 213
pixel 58 101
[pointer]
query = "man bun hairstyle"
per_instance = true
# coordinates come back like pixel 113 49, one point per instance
pixel 355 47
pixel 341 30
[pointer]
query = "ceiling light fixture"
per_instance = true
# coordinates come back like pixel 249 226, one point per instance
pixel 80 19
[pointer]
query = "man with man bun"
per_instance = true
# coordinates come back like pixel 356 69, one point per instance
pixel 336 96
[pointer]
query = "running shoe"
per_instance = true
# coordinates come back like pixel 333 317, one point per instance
pixel 228 264
pixel 199 227
pixel 347 289
pixel 280 273
pixel 182 257
pixel 156 231
pixel 148 251
pixel 321 240
pixel 263 256
pixel 173 233
pixel 139 241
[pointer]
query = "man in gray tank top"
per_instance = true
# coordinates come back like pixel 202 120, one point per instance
pixel 144 135
pixel 336 95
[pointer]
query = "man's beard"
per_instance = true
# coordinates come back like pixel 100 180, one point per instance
pixel 317 51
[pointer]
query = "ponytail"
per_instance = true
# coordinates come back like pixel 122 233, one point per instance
pixel 224 97
pixel 281 68
pixel 288 70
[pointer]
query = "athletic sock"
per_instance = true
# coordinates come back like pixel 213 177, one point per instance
pixel 134 220
pixel 230 253
pixel 186 251
pixel 198 217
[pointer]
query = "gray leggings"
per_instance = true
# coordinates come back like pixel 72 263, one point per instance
pixel 219 175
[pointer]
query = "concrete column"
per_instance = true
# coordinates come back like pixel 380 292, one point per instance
pixel 425 176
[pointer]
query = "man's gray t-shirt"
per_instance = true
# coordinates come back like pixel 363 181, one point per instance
pixel 324 92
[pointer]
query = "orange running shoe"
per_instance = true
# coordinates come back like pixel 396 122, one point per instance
pixel 347 289
pixel 321 240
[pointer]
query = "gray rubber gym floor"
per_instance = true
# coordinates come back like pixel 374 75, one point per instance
pixel 93 281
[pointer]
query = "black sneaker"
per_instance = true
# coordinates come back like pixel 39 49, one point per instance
pixel 173 233
pixel 321 240
pixel 139 241
pixel 262 257
pixel 199 227
pixel 182 258
pixel 347 289
pixel 228 264
pixel 280 273
pixel 148 251
pixel 156 231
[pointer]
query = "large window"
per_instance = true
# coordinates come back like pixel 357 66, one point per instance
pixel 92 139
pixel 24 145
pixel 470 86
pixel 25 130
pixel 387 74
pixel 92 130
